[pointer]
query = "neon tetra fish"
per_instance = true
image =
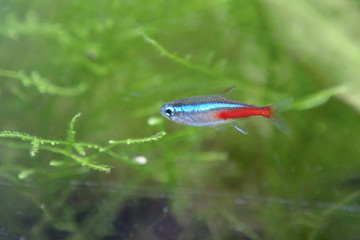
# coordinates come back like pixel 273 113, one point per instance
pixel 213 110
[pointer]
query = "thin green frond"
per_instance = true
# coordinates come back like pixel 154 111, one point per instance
pixel 79 149
pixel 92 146
pixel 155 137
pixel 35 147
pixel 176 58
pixel 319 98
pixel 55 163
pixel 27 137
pixel 71 131
pixel 31 25
pixel 42 84
pixel 81 160
pixel 25 173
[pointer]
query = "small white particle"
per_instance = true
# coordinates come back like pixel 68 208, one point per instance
pixel 154 121
pixel 165 209
pixel 140 160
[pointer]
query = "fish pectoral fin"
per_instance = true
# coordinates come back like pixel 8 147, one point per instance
pixel 240 127
pixel 226 91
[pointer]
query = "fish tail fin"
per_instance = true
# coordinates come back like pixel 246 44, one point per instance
pixel 276 119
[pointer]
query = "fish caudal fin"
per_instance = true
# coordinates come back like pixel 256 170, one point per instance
pixel 277 119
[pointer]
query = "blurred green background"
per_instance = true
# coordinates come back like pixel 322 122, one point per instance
pixel 122 171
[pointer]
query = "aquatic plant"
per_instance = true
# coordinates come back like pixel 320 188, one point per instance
pixel 118 62
pixel 66 148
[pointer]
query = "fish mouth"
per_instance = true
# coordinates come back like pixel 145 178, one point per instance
pixel 162 110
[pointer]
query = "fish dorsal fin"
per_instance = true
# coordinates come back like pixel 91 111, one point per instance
pixel 225 91
pixel 240 127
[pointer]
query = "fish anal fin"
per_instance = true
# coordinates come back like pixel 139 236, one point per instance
pixel 219 128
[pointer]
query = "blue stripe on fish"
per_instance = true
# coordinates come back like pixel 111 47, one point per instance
pixel 206 107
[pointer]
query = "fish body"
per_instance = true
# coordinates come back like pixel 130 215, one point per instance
pixel 213 110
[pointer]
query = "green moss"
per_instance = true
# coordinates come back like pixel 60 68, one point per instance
pixel 117 62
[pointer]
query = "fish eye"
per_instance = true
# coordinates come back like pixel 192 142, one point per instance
pixel 169 111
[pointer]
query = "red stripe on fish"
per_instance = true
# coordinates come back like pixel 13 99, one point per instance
pixel 245 112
